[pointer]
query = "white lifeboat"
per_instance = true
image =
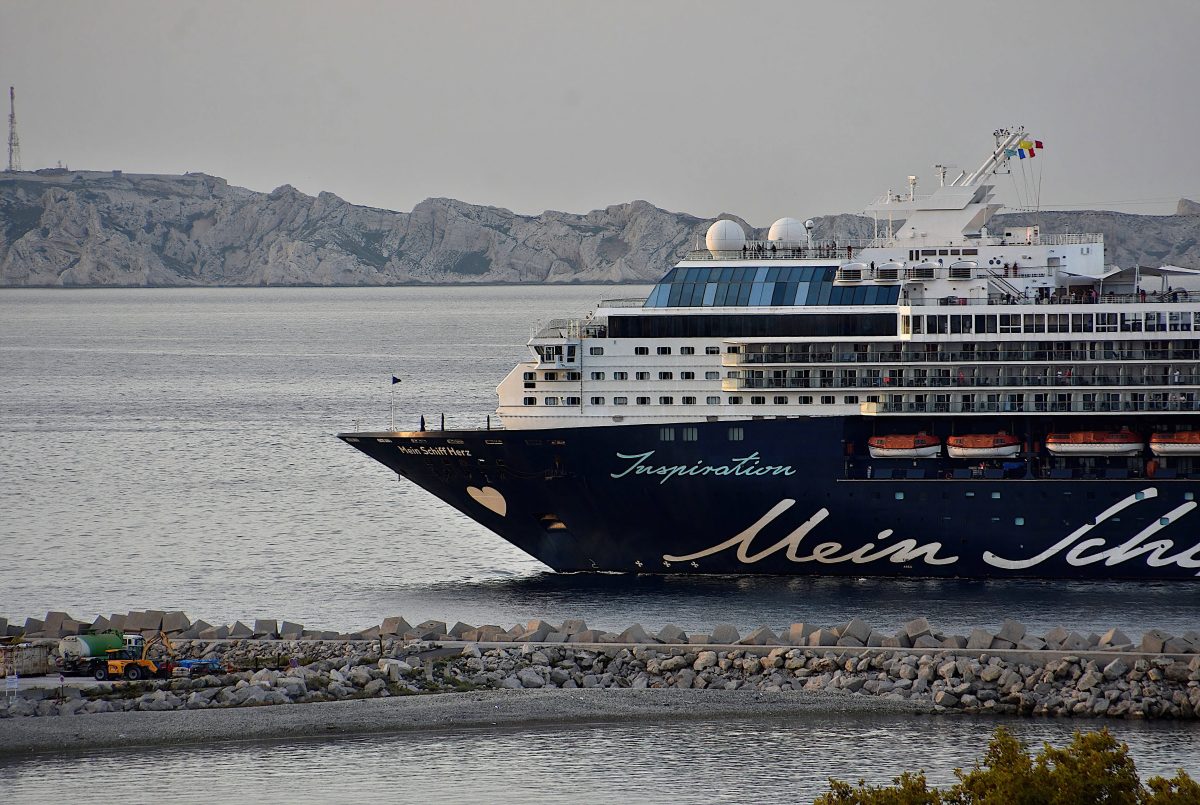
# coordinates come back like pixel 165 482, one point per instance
pixel 1181 443
pixel 1095 443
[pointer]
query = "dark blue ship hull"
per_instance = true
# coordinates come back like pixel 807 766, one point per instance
pixel 802 496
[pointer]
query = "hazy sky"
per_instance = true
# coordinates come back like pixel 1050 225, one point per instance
pixel 762 109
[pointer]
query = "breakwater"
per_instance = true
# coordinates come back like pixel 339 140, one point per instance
pixel 1006 672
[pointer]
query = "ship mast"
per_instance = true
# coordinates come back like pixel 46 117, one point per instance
pixel 14 143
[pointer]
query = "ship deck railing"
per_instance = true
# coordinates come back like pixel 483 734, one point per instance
pixel 847 248
pixel 1190 379
pixel 1074 357
pixel 1176 297
pixel 628 302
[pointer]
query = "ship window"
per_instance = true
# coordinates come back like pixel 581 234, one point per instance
pixel 827 399
pixel 620 375
pixel 664 350
pixel 574 375
pixel 666 434
pixel 850 399
pixel 597 401
pixel 969 494
pixel 641 350
pixel 1018 521
pixel 550 401
pixel 995 496
pixel 643 400
pixel 736 434
pixel 873 398
pixel 620 401
pixel 757 400
pixel 735 400
pixel 530 401
pixel 687 350
pixel 717 350
pixel 804 400
pixel 666 375
pixel 688 400
pixel 734 350
pixel 687 375
pixel 572 401
pixel 712 375
pixel 781 400
pixel 899 496
pixel 551 376
pixel 529 376
pixel 1010 323
pixel 642 375
pixel 712 400
pixel 690 434
pixel 1189 495
pixel 905 325
pixel 666 400
pixel 595 350
pixel 597 375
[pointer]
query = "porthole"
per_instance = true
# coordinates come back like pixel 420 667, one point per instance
pixel 1018 521
pixel 899 496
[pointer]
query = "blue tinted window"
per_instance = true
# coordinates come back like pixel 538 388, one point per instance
pixel 860 295
pixel 743 298
pixel 710 293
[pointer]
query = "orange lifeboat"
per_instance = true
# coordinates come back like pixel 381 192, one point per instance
pixel 983 445
pixel 1180 443
pixel 1122 442
pixel 905 445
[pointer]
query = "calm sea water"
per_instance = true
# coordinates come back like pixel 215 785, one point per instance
pixel 703 761
pixel 174 449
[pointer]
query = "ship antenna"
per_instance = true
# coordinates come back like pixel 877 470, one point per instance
pixel 14 142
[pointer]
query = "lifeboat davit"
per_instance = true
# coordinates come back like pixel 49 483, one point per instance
pixel 905 445
pixel 1181 443
pixel 1123 442
pixel 983 445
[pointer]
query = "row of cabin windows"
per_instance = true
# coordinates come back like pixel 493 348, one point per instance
pixel 804 399
pixel 1155 322
pixel 665 350
pixel 661 375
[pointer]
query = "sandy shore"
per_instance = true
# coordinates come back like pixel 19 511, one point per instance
pixel 494 708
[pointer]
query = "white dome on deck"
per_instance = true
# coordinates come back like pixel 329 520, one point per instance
pixel 725 236
pixel 788 230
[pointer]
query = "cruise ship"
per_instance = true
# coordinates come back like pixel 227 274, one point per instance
pixel 939 400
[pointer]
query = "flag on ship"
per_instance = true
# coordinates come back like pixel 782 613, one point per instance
pixel 395 380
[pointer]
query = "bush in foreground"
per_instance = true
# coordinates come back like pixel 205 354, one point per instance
pixel 1093 768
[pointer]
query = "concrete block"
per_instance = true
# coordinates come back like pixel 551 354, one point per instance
pixel 33 625
pixel 152 620
pixel 556 637
pixel 287 627
pixel 370 633
pixel 699 639
pixel 491 633
pixel 980 640
pixel 535 636
pixel 395 625
pixel 1012 631
pixel 927 641
pixel 672 634
pixel 214 633
pixel 725 634
pixel 53 621
pixel 1154 640
pixel 850 642
pixel 328 635
pixel 797 634
pixel 917 628
pixel 536 623
pixel 893 642
pixel 460 628
pixel 117 621
pixel 1075 642
pixel 573 626
pixel 266 628
pixel 1056 637
pixel 1114 637
pixel 903 640
pixel 1177 645
pixel 839 629
pixel 586 636
pixel 432 628
pixel 72 627
pixel 762 636
pixel 101 624
pixel 241 630
pixel 823 637
pixel 954 641
pixel 3 626
pixel 876 639
pixel 636 634
pixel 858 630
pixel 1000 643
pixel 175 622
pixel 1031 643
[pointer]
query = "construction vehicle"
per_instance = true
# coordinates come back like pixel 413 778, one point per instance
pixel 133 663
pixel 80 654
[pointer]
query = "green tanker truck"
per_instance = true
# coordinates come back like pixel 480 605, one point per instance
pixel 78 654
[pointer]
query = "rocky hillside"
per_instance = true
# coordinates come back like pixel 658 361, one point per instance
pixel 75 228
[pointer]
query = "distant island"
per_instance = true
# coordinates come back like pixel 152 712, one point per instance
pixel 62 228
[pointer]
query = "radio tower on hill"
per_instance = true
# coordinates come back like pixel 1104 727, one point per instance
pixel 14 143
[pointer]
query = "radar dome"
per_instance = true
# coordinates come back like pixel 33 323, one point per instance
pixel 725 236
pixel 788 230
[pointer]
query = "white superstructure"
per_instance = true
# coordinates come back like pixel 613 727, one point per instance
pixel 935 314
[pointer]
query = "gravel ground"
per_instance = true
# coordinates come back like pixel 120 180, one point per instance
pixel 494 708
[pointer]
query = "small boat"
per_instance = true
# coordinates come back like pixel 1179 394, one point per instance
pixel 905 445
pixel 1180 443
pixel 1122 442
pixel 983 445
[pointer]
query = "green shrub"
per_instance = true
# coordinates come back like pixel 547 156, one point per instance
pixel 1093 768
